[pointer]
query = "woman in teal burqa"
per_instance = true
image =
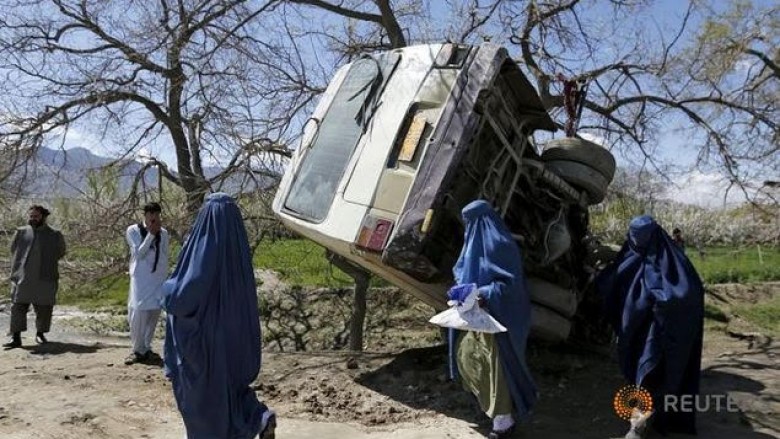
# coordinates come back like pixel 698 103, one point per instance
pixel 493 366
pixel 212 341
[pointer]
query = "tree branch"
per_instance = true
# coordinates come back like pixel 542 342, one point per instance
pixel 349 13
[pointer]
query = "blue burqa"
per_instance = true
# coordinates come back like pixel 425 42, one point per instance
pixel 490 258
pixel 212 339
pixel 655 302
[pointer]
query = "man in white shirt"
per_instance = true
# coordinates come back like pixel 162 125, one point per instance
pixel 149 247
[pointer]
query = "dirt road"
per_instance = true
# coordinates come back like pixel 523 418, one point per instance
pixel 78 387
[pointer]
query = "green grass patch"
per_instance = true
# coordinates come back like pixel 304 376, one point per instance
pixel 5 246
pixel 764 315
pixel 107 292
pixel 737 264
pixel 91 254
pixel 712 312
pixel 301 262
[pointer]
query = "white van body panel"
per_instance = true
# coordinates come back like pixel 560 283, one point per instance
pixel 373 152
pixel 357 189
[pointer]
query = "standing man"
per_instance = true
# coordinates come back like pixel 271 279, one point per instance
pixel 149 244
pixel 36 251
pixel 678 239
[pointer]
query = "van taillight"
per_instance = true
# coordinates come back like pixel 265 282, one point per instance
pixel 374 233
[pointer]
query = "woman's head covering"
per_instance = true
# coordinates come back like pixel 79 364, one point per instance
pixel 489 252
pixel 212 341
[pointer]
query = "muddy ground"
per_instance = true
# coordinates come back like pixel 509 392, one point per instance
pixel 78 387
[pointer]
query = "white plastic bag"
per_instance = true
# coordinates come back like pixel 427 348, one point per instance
pixel 468 316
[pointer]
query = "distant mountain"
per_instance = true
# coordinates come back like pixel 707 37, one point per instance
pixel 64 173
pixel 71 159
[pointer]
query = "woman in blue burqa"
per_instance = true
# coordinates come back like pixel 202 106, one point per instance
pixel 493 366
pixel 212 340
pixel 655 302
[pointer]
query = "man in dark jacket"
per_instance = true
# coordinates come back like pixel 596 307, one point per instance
pixel 36 251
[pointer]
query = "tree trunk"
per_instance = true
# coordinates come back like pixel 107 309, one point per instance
pixel 358 314
pixel 390 23
pixel 361 278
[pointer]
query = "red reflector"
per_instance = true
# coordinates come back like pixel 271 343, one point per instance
pixel 374 233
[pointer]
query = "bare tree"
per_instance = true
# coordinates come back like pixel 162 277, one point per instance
pixel 193 76
pixel 649 82
pixel 202 76
pixel 383 17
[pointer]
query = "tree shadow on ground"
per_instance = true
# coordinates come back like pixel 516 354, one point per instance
pixel 576 390
pixel 753 403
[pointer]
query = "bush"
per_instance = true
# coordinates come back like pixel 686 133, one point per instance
pixel 107 292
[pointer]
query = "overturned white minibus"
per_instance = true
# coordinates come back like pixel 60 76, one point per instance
pixel 402 140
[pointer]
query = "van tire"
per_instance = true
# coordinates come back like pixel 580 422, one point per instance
pixel 559 299
pixel 581 151
pixel 547 325
pixel 581 176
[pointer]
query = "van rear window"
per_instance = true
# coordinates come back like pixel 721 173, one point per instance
pixel 323 166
